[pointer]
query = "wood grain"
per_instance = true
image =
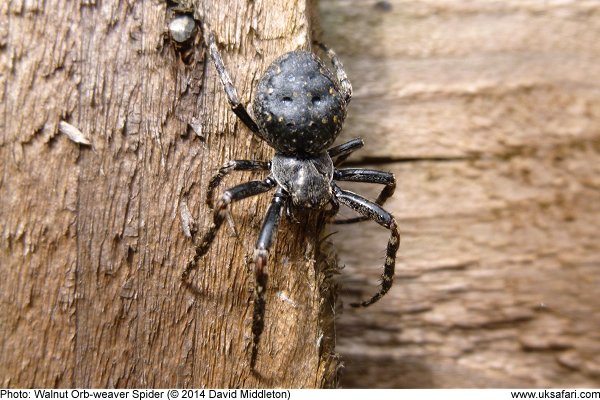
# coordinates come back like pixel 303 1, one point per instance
pixel 489 115
pixel 94 237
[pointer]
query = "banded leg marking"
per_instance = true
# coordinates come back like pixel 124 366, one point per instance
pixel 375 212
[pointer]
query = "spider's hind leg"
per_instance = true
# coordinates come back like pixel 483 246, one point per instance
pixel 375 212
pixel 232 97
pixel 345 85
pixel 261 255
pixel 231 195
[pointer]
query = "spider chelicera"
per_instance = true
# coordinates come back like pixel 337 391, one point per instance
pixel 298 110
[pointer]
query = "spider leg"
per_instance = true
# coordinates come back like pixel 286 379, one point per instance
pixel 261 255
pixel 344 150
pixel 345 85
pixel 375 212
pixel 367 176
pixel 236 106
pixel 335 207
pixel 233 165
pixel 231 195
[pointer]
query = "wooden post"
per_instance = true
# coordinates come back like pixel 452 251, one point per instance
pixel 93 241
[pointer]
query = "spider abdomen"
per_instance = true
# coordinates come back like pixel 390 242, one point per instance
pixel 306 179
pixel 298 105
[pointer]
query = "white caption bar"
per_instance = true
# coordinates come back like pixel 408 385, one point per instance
pixel 298 394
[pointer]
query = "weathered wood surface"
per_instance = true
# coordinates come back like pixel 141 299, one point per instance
pixel 489 115
pixel 93 240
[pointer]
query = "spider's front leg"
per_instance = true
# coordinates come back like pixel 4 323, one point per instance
pixel 232 195
pixel 261 255
pixel 376 213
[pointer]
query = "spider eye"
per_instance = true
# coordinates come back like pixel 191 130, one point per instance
pixel 316 99
pixel 286 99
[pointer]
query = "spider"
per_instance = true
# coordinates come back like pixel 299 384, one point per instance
pixel 298 110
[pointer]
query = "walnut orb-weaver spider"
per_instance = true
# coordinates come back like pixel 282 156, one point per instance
pixel 299 109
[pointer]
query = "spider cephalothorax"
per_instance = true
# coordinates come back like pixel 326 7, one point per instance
pixel 299 109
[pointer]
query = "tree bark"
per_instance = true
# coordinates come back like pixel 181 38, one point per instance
pixel 94 236
pixel 489 115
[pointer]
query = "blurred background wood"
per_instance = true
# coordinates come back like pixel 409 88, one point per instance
pixel 93 236
pixel 489 115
